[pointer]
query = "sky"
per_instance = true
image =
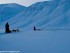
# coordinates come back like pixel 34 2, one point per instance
pixel 21 2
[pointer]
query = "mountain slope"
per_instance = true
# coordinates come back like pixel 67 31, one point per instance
pixel 63 19
pixel 64 6
pixel 31 11
pixel 35 9
pixel 42 14
pixel 8 11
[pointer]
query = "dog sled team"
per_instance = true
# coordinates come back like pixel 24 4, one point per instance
pixel 7 29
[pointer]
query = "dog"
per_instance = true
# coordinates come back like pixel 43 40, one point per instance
pixel 39 29
pixel 17 30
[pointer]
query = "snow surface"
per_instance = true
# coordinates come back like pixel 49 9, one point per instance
pixel 54 41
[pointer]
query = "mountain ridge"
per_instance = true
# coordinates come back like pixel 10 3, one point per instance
pixel 41 14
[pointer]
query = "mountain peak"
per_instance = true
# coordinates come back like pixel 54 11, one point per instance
pixel 11 5
pixel 40 5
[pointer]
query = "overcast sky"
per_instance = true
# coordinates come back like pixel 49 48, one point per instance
pixel 22 2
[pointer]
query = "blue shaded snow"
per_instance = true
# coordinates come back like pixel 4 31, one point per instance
pixel 36 42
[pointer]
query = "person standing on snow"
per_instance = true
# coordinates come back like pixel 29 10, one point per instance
pixel 7 30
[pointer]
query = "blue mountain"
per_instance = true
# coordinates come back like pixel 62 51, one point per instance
pixel 47 14
pixel 8 11
pixel 28 13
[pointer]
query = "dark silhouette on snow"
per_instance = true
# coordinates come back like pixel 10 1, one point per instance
pixel 39 29
pixel 15 30
pixel 7 30
pixel 34 28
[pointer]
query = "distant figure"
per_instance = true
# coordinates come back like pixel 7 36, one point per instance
pixel 7 30
pixel 34 28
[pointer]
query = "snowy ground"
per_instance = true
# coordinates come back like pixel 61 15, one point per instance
pixel 55 41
